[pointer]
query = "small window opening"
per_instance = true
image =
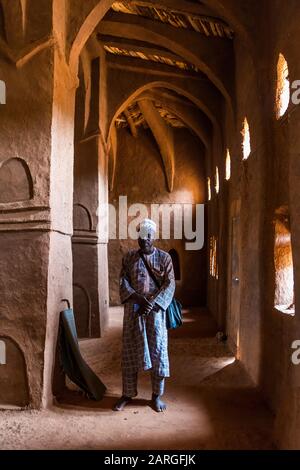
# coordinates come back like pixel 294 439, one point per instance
pixel 246 140
pixel 217 181
pixel 228 166
pixel 213 264
pixel 209 188
pixel 283 87
pixel 283 260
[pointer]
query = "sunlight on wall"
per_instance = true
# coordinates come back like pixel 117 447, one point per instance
pixel 184 196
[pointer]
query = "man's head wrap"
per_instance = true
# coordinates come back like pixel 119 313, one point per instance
pixel 147 226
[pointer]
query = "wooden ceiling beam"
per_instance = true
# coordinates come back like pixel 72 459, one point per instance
pixel 148 67
pixel 157 94
pixel 145 49
pixel 213 57
pixel 132 126
pixel 178 6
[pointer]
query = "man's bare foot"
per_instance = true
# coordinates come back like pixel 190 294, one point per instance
pixel 158 404
pixel 121 403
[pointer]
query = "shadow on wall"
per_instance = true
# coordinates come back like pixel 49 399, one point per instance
pixel 82 311
pixel 176 263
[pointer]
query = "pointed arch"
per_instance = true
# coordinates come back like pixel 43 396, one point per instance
pixel 16 183
pixel 169 86
pixel 86 29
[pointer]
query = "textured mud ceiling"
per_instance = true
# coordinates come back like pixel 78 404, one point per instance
pixel 179 19
pixel 146 98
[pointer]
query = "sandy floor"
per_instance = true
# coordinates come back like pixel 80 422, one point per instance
pixel 211 402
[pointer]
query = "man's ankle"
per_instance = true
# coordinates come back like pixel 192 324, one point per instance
pixel 121 403
pixel 155 396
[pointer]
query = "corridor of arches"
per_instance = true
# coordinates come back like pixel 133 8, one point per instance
pixel 180 103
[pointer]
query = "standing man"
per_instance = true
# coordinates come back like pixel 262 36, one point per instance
pixel 145 335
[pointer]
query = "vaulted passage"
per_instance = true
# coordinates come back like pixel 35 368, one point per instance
pixel 185 112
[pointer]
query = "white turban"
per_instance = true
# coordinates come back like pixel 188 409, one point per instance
pixel 147 226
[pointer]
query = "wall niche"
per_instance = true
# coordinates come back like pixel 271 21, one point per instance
pixel 15 181
pixel 13 376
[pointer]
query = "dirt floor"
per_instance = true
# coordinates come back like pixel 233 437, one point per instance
pixel 212 404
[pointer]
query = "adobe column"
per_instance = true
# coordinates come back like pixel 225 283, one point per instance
pixel 36 185
pixel 90 188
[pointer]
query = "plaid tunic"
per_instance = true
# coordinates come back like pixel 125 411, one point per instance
pixel 145 338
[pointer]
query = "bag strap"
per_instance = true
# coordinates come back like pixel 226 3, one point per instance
pixel 151 274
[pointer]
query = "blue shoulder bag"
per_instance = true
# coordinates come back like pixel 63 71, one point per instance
pixel 173 312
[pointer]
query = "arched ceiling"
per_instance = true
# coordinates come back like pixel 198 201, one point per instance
pixel 133 117
pixel 184 15
pixel 181 45
pixel 178 36
pixel 219 17
pixel 176 110
pixel 153 49
pixel 211 55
